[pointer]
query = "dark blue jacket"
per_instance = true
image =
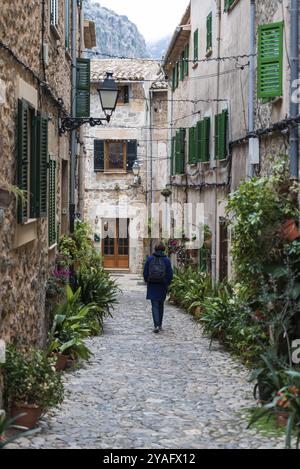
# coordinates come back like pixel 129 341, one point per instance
pixel 158 291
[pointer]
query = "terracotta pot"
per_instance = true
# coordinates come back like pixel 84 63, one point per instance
pixel 290 230
pixel 32 414
pixel 61 363
pixel 282 419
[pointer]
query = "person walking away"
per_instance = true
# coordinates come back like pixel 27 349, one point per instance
pixel 158 274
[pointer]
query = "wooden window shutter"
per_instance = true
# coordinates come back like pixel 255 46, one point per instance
pixel 54 12
pixel 196 45
pixel 221 127
pixel 173 160
pixel 23 160
pixel 131 152
pixel 182 151
pixel 206 139
pixel 182 66
pixel 42 165
pixel 217 137
pixel 173 79
pixel 98 155
pixel 270 60
pixel 186 58
pixel 52 203
pixel 209 32
pixel 83 88
pixel 192 145
pixel 228 4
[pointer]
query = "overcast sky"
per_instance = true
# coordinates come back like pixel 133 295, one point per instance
pixel 154 18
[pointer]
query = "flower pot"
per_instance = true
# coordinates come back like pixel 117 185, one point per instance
pixel 290 230
pixel 29 415
pixel 61 362
pixel 282 419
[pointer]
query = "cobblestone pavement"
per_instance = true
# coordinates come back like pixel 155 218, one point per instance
pixel 142 390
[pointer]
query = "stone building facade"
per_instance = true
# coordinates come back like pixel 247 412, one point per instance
pixel 208 114
pixel 35 90
pixel 132 136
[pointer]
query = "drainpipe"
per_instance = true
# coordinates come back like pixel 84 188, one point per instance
pixel 294 106
pixel 215 221
pixel 73 107
pixel 253 148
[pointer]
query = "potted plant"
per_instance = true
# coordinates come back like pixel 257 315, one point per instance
pixel 166 193
pixel 31 385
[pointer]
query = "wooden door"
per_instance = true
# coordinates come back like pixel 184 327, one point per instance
pixel 115 244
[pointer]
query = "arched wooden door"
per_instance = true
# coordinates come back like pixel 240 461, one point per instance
pixel 115 243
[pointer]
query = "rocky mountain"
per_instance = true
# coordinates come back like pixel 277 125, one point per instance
pixel 158 49
pixel 116 34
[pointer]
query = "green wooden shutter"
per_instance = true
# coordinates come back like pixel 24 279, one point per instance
pixel 177 153
pixel 41 165
pixel 52 203
pixel 182 66
pixel 173 80
pixel 270 60
pixel 209 32
pixel 131 154
pixel 196 45
pixel 221 126
pixel 98 155
pixel 83 88
pixel 198 142
pixel 192 145
pixel 228 4
pixel 23 159
pixel 182 150
pixel 206 139
pixel 173 156
pixel 187 56
pixel 67 24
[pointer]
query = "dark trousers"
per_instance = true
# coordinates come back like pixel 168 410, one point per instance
pixel 158 312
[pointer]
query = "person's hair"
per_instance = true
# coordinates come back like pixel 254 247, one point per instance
pixel 160 247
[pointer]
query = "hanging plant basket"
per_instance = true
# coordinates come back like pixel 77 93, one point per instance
pixel 166 193
pixel 290 231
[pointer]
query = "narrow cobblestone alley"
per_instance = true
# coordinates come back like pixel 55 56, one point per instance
pixel 142 390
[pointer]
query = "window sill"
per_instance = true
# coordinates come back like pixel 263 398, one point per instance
pixel 114 172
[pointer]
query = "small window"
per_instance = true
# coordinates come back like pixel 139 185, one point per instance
pixel 115 156
pixel 123 95
pixel 209 33
pixel 54 13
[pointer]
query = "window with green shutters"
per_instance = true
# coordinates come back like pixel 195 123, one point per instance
pixel 42 165
pixel 196 45
pixel 32 154
pixel 203 140
pixel 173 156
pixel 186 63
pixel 192 145
pixel 182 66
pixel 209 33
pixel 54 13
pixel 67 24
pixel 83 88
pixel 270 60
pixel 180 152
pixel 221 131
pixel 52 203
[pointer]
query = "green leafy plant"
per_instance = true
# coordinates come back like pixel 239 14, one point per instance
pixel 30 378
pixel 7 426
pixel 71 326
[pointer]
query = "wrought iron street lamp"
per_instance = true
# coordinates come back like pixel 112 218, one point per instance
pixel 108 93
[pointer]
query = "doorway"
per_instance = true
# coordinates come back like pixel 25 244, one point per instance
pixel 115 243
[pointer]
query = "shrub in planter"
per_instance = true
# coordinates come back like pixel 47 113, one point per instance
pixel 70 328
pixel 31 385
